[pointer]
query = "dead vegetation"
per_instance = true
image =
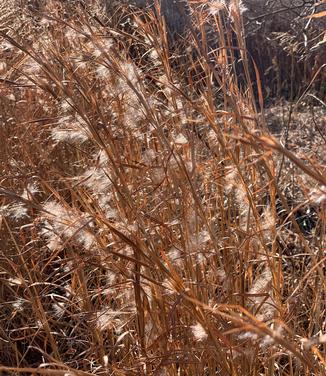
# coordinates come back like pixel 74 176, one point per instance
pixel 150 222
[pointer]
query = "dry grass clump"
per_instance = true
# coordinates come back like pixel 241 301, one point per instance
pixel 145 224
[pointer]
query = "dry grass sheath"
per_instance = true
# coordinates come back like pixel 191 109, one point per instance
pixel 147 223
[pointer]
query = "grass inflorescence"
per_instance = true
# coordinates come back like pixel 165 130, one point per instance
pixel 150 222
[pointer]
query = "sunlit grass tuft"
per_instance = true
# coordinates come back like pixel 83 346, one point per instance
pixel 145 228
